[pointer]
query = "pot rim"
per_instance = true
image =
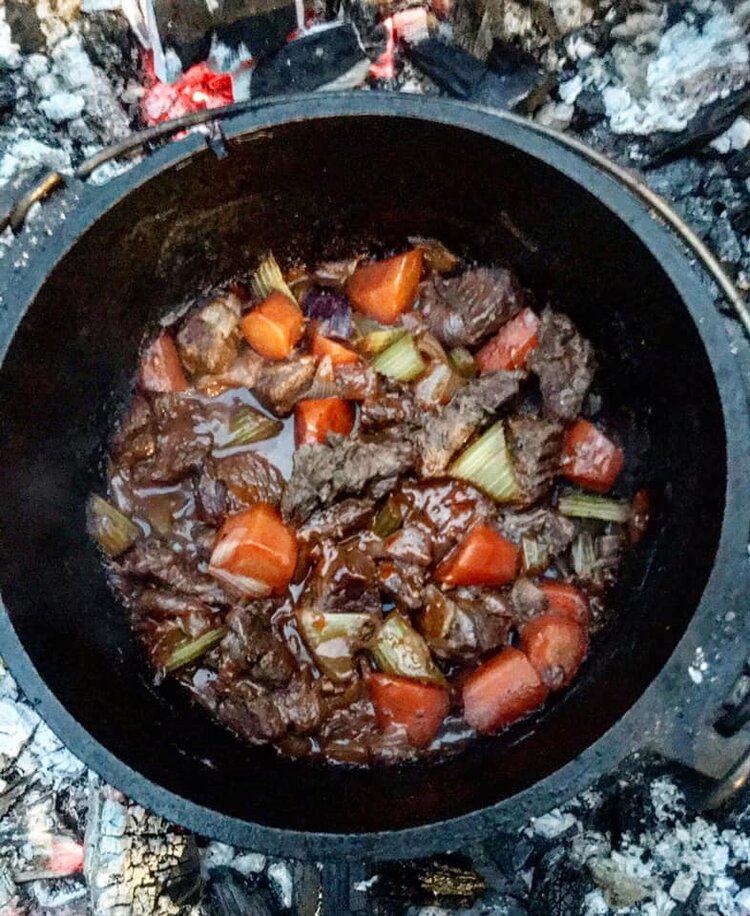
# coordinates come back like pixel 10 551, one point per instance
pixel 639 727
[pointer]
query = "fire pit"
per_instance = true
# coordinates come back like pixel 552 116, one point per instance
pixel 175 858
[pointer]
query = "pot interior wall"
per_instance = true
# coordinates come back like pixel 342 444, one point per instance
pixel 325 189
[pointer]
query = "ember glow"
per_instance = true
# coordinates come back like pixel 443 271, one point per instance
pixel 66 857
pixel 410 25
pixel 197 89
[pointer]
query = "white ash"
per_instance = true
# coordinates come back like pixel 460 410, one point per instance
pixel 281 879
pixel 735 137
pixel 552 824
pixel 249 863
pixel 17 724
pixel 62 106
pixel 658 79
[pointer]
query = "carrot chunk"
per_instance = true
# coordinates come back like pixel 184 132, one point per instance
pixel 274 327
pixel 501 691
pixel 590 459
pixel 484 557
pixel 509 348
pixel 567 601
pixel 384 290
pixel 339 354
pixel 161 369
pixel 555 646
pixel 313 420
pixel 419 708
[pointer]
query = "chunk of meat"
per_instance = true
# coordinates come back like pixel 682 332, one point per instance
pixel 161 603
pixel 178 448
pixel 249 477
pixel 535 445
pixel 280 385
pixel 211 498
pixel 337 522
pixel 394 407
pixel 151 561
pixel 553 530
pixel 345 581
pixel 412 544
pixel 244 372
pixel 322 472
pixel 135 440
pixel 527 601
pixel 465 624
pixel 404 582
pixel 565 363
pixel 473 405
pixel 252 649
pixel 461 311
pixel 207 341
pixel 446 508
pixel 257 713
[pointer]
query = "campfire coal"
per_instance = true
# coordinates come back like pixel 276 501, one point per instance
pixel 660 86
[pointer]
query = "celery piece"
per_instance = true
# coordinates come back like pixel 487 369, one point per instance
pixel 388 520
pixel 401 361
pixel 334 638
pixel 535 555
pixel 114 531
pixel 248 425
pixel 463 362
pixel 486 464
pixel 268 277
pixel 583 555
pixel 584 505
pixel 399 649
pixel 377 341
pixel 190 651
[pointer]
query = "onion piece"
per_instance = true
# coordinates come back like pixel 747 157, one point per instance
pixel 331 309
pixel 268 277
pixel 399 649
pixel 333 638
pixel 188 652
pixel 437 386
pixel 583 554
pixel 113 531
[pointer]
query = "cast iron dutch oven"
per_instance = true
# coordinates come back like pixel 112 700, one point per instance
pixel 315 177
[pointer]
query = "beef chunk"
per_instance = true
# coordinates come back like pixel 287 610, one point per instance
pixel 280 385
pixel 527 601
pixel 338 521
pixel 464 625
pixel 412 544
pixel 207 341
pixel 179 448
pixel 350 381
pixel 251 712
pixel 461 311
pixel 251 648
pixel 151 561
pixel 135 440
pixel 565 364
pixel 323 472
pixel 535 446
pixel 244 372
pixel 474 404
pixel 555 531
pixel 249 477
pixel 258 713
pixel 344 581
pixel 211 498
pixel 160 603
pixel 445 508
pixel 391 408
pixel 403 582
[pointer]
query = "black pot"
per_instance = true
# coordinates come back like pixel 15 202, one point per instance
pixel 317 177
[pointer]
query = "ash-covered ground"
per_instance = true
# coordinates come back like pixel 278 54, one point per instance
pixel 661 87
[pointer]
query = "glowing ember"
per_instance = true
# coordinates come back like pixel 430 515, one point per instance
pixel 384 67
pixel 196 89
pixel 66 857
pixel 410 25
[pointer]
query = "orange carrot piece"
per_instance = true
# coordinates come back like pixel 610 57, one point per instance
pixel 274 327
pixel 314 419
pixel 420 708
pixel 161 369
pixel 384 290
pixel 484 557
pixel 501 691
